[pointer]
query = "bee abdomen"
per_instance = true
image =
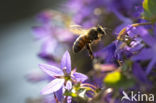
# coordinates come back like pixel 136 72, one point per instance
pixel 79 44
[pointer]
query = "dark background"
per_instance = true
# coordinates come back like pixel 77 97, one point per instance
pixel 14 10
pixel 18 49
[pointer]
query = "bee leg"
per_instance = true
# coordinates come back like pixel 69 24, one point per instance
pixel 88 46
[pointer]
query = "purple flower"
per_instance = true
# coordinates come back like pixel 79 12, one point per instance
pixel 147 53
pixel 130 42
pixel 53 33
pixel 62 76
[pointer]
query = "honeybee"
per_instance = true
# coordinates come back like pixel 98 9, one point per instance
pixel 86 38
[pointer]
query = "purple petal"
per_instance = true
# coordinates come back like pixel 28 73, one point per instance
pixel 140 74
pixel 65 37
pixel 59 94
pixel 145 54
pixel 147 38
pixel 121 17
pixel 80 77
pixel 53 86
pixel 51 70
pixel 39 32
pixel 155 30
pixel 66 62
pixel 131 31
pixel 44 17
pixel 48 47
pixel 150 66
pixel 69 99
pixel 69 85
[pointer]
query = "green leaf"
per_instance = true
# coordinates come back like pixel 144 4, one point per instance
pixel 149 10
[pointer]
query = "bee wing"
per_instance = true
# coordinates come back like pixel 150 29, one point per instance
pixel 78 30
